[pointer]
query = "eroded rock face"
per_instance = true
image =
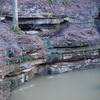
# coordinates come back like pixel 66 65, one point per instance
pixel 74 35
pixel 63 67
pixel 78 11
pixel 69 44
pixel 84 8
pixel 7 42
pixel 13 45
pixel 80 30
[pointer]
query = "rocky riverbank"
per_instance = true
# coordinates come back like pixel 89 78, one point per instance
pixel 52 41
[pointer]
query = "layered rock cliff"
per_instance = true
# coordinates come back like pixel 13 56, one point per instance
pixel 62 37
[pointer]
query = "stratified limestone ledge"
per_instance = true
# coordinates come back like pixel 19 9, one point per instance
pixel 62 67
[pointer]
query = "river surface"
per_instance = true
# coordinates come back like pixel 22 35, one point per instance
pixel 78 85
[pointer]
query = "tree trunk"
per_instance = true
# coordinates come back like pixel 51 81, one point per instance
pixel 15 15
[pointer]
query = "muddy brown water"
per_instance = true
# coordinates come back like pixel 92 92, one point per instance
pixel 78 85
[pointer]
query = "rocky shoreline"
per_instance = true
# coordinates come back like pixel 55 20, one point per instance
pixel 13 82
pixel 51 41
